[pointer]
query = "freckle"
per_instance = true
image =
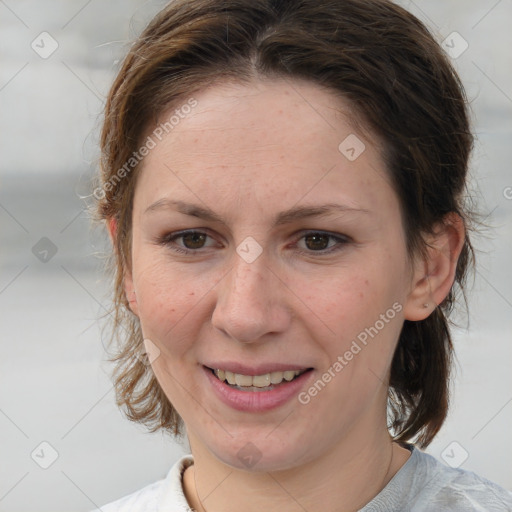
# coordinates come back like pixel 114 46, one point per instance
pixel 192 293
pixel 366 282
pixel 361 295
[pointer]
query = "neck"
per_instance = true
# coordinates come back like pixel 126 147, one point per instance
pixel 346 478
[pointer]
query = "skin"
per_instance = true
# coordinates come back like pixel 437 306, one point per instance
pixel 249 152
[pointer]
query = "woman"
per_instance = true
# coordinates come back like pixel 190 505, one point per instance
pixel 283 185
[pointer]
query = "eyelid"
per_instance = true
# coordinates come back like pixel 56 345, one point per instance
pixel 339 236
pixel 169 238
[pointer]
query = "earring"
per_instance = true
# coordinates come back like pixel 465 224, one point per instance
pixel 426 305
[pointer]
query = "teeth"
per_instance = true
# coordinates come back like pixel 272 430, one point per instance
pixel 243 380
pixel 276 377
pixel 289 375
pixel 259 381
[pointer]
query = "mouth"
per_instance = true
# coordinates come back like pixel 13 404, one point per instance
pixel 257 383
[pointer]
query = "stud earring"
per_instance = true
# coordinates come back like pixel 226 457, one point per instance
pixel 426 305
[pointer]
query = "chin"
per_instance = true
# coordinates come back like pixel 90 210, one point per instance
pixel 258 453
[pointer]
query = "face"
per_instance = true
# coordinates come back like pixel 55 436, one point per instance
pixel 267 238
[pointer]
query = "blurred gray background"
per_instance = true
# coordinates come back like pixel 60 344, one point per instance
pixel 57 59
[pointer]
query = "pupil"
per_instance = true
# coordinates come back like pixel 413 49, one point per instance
pixel 319 241
pixel 194 240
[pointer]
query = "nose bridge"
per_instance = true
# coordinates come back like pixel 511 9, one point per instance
pixel 249 304
pixel 249 280
pixel 247 289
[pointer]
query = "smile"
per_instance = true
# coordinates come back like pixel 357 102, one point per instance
pixel 265 382
pixel 256 393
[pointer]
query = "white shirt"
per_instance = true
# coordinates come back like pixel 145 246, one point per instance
pixel 422 484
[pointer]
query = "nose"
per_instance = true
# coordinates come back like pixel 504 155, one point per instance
pixel 251 302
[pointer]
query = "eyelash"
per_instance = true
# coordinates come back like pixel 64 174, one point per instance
pixel 168 240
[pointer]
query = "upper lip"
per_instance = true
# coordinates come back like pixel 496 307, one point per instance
pixel 258 369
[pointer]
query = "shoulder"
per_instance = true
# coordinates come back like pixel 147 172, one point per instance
pixel 458 489
pixel 439 487
pixel 145 499
pixel 164 492
pixel 424 484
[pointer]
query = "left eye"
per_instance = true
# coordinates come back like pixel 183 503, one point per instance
pixel 318 241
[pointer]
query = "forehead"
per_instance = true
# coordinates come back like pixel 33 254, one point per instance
pixel 268 140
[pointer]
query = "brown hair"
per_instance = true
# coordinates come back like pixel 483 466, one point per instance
pixel 388 66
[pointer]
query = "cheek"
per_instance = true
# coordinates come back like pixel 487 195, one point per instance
pixel 165 301
pixel 363 312
pixel 349 301
pixel 362 308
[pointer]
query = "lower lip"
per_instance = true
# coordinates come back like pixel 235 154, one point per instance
pixel 256 401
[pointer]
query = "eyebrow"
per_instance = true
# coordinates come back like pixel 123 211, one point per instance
pixel 285 217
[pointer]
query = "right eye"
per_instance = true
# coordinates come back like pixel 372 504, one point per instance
pixel 191 241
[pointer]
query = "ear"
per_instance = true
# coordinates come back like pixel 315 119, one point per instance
pixel 433 278
pixel 129 291
pixel 129 288
pixel 112 229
